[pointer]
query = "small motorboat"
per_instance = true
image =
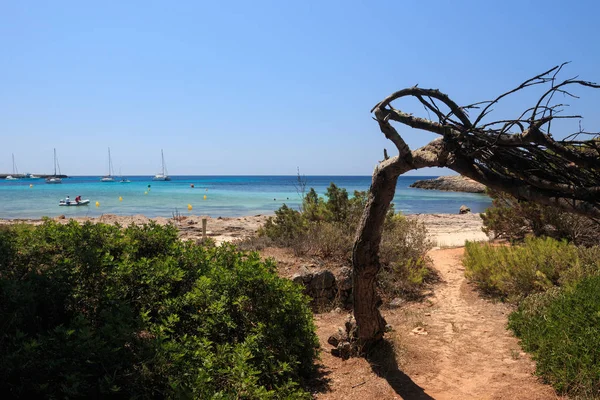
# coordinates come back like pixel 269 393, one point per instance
pixel 71 203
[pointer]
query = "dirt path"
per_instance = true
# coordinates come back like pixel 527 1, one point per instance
pixel 464 351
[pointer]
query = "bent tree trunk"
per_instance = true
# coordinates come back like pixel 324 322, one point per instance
pixel 365 257
pixel 518 156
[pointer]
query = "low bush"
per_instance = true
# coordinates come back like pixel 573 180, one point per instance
pixel 514 272
pixel 94 310
pixel 403 255
pixel 561 329
pixel 513 220
pixel 326 229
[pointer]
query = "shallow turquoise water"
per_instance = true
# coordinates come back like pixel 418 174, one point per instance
pixel 225 196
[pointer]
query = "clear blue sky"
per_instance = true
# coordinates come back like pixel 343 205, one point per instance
pixel 261 87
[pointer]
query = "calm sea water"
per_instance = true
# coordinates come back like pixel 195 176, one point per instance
pixel 226 196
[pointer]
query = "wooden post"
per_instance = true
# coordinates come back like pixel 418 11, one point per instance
pixel 203 228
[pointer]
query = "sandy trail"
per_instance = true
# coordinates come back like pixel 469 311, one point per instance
pixel 466 352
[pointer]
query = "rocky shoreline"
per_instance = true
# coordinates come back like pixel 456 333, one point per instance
pixel 450 183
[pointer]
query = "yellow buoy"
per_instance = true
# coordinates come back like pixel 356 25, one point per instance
pixel 31 185
pixel 97 204
pixel 190 207
pixel 204 197
pixel 120 198
pixel 145 192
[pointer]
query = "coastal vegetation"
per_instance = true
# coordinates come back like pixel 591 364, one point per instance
pixel 552 273
pixel 95 310
pixel 513 220
pixel 325 227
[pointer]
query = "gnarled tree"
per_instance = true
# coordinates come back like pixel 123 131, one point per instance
pixel 518 156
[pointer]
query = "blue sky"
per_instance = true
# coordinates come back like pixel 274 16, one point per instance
pixel 262 87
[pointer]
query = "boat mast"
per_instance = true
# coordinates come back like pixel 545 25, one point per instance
pixel 109 163
pixel 54 161
pixel 163 161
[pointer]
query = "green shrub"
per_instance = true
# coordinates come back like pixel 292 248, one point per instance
pixel 513 272
pixel 326 229
pixel 561 328
pixel 403 255
pixel 513 220
pixel 287 226
pixel 96 310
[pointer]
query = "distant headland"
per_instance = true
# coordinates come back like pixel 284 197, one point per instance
pixel 450 183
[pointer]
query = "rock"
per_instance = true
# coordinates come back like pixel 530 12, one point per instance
pixel 464 209
pixel 61 217
pixel 451 183
pixel 345 350
pixel 344 279
pixel 322 280
pixel 396 303
pixel 303 276
pixel 419 331
pixel 351 328
pixel 336 338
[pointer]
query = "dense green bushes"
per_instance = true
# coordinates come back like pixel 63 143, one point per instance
pixel 96 310
pixel 556 285
pixel 513 220
pixel 561 328
pixel 514 272
pixel 326 229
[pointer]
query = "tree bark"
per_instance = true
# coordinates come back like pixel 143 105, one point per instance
pixel 365 255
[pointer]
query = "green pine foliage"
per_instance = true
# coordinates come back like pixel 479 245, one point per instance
pixel 95 310
pixel 513 220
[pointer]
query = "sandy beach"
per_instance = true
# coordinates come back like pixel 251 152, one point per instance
pixel 445 230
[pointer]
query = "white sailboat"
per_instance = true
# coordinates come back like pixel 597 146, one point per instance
pixel 163 175
pixel 13 177
pixel 109 177
pixel 54 178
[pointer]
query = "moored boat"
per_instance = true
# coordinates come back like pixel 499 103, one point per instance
pixel 14 171
pixel 110 177
pixel 163 175
pixel 54 178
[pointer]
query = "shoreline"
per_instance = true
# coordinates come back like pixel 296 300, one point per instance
pixel 444 230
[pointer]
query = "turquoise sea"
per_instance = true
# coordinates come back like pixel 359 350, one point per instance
pixel 227 196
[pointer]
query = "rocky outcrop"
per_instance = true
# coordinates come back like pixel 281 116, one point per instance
pixel 451 183
pixel 325 289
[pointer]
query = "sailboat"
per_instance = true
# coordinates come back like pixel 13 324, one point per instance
pixel 123 179
pixel 162 176
pixel 14 171
pixel 54 178
pixel 109 177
